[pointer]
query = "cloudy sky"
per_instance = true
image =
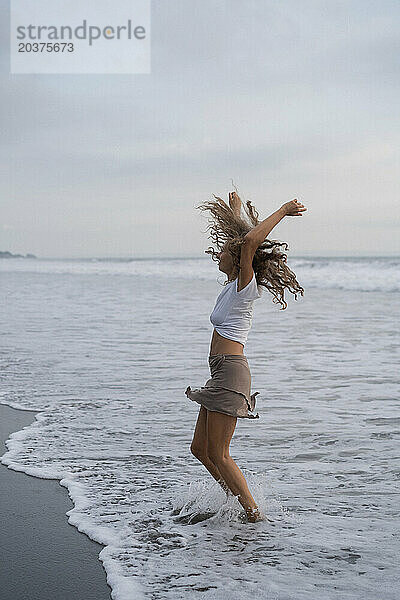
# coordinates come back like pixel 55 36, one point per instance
pixel 289 98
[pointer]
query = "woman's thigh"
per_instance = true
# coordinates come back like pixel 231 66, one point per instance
pixel 220 429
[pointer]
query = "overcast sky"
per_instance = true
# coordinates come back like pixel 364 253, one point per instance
pixel 290 98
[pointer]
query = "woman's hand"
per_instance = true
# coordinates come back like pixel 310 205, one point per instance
pixel 235 203
pixel 294 208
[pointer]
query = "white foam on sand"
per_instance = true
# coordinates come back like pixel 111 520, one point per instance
pixel 144 533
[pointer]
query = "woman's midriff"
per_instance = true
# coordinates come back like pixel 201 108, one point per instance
pixel 221 345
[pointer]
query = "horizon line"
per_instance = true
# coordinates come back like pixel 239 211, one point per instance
pixel 197 257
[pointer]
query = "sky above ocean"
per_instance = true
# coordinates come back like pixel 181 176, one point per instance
pixel 288 100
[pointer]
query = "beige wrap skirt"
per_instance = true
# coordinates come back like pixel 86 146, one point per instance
pixel 228 390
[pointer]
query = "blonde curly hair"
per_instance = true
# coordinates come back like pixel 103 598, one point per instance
pixel 269 263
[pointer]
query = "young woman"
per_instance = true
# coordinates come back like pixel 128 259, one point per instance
pixel 250 262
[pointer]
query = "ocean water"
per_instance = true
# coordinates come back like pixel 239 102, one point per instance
pixel 104 349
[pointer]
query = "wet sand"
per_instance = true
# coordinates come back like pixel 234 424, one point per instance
pixel 42 555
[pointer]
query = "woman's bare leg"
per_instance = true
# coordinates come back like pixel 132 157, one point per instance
pixel 199 448
pixel 220 429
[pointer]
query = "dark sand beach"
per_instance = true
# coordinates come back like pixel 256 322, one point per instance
pixel 42 555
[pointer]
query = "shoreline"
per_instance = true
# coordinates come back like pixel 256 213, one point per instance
pixel 42 555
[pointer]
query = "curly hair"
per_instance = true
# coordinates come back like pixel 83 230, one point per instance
pixel 269 262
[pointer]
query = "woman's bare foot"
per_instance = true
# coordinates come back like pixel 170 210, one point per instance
pixel 253 515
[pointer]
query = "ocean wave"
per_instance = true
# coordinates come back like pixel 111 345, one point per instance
pixel 370 274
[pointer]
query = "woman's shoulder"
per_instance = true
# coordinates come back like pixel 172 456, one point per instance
pixel 249 290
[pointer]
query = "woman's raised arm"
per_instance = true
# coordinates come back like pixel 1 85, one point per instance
pixel 256 236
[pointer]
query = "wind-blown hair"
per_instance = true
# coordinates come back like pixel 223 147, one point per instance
pixel 269 262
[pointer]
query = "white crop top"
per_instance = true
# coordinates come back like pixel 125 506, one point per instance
pixel 233 311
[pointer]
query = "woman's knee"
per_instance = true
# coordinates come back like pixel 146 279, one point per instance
pixel 200 452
